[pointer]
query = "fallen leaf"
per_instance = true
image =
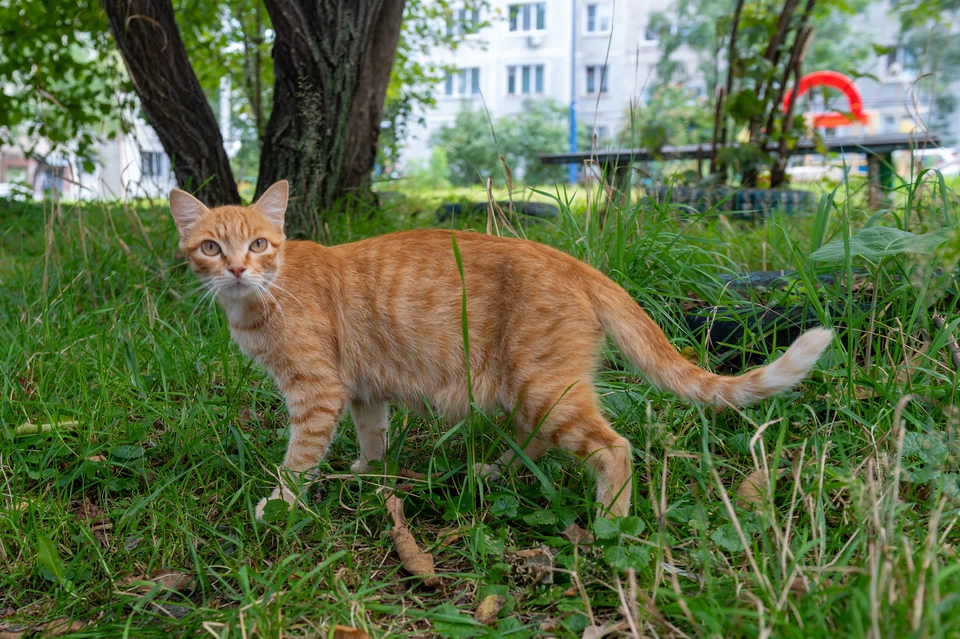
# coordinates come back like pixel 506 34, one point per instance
pixel 551 624
pixel 488 609
pixel 752 488
pixel 449 535
pixel 410 474
pixel 596 632
pixel 570 592
pixel 6 611
pixel 416 562
pixel 405 487
pixel 89 511
pixel 534 564
pixel 798 586
pixel 97 458
pixel 59 627
pixel 578 536
pixel 172 579
pixel 33 429
pixel 11 633
pixel 346 632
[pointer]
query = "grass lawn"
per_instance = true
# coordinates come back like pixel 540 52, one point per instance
pixel 828 511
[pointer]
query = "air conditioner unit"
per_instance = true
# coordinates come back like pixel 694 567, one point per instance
pixel 534 41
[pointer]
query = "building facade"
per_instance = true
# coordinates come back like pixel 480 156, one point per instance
pixel 599 54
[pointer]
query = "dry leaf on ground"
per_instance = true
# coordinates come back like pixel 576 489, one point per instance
pixel 172 579
pixel 59 627
pixel 55 628
pixel 488 609
pixel 752 488
pixel 449 535
pixel 578 536
pixel 410 474
pixel 596 632
pixel 534 565
pixel 416 562
pixel 346 632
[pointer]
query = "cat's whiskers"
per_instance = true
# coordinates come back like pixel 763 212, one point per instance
pixel 287 293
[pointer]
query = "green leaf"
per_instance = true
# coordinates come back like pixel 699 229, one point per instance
pixel 744 105
pixel 632 526
pixel 623 557
pixel 49 557
pixel 928 447
pixel 127 453
pixel 275 510
pixel 541 518
pixel 876 242
pixel 604 528
pixel 504 506
pixel 726 537
pixel 448 621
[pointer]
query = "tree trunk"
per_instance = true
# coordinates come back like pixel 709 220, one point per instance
pixel 332 62
pixel 170 95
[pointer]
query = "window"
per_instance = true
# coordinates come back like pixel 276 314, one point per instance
pixel 462 82
pixel 528 17
pixel 598 18
pixel 902 64
pixel 596 80
pixel 463 21
pixel 524 80
pixel 151 163
pixel 650 35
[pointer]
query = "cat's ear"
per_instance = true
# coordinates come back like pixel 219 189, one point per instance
pixel 273 203
pixel 186 209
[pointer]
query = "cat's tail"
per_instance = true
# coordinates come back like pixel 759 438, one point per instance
pixel 642 341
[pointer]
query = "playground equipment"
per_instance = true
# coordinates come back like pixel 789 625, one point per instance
pixel 833 80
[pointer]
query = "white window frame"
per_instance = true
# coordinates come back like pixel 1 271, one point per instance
pixel 517 72
pixel 527 11
pixel 155 163
pixel 460 17
pixel 600 80
pixel 601 10
pixel 460 83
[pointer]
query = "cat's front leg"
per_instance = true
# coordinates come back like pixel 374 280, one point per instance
pixel 315 408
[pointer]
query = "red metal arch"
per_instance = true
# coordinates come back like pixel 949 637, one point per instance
pixel 837 81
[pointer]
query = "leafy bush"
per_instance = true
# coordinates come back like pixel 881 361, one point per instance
pixel 472 152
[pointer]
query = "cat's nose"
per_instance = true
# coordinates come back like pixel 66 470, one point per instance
pixel 237 270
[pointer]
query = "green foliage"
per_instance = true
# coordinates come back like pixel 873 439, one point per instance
pixel 416 71
pixel 877 242
pixel 473 152
pixel 60 77
pixel 469 146
pixel 540 128
pixel 672 116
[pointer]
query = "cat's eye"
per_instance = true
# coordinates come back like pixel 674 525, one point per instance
pixel 210 248
pixel 259 245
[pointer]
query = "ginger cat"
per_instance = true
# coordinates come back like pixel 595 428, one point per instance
pixel 379 321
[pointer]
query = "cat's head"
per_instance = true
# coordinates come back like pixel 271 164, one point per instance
pixel 235 250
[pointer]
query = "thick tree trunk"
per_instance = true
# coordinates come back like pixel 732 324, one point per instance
pixel 171 97
pixel 332 61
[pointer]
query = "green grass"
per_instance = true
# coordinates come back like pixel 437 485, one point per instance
pixel 177 435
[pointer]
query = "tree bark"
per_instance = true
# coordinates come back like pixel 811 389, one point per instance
pixel 170 95
pixel 332 62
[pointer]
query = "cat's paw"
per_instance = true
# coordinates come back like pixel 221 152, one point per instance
pixel 286 495
pixel 361 465
pixel 488 471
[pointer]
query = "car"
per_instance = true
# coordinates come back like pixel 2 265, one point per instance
pixel 944 160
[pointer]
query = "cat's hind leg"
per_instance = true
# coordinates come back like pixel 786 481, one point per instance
pixel 371 422
pixel 578 426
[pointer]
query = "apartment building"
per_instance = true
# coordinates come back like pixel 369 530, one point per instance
pixel 598 54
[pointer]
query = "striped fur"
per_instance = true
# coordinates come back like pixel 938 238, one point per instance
pixel 377 321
